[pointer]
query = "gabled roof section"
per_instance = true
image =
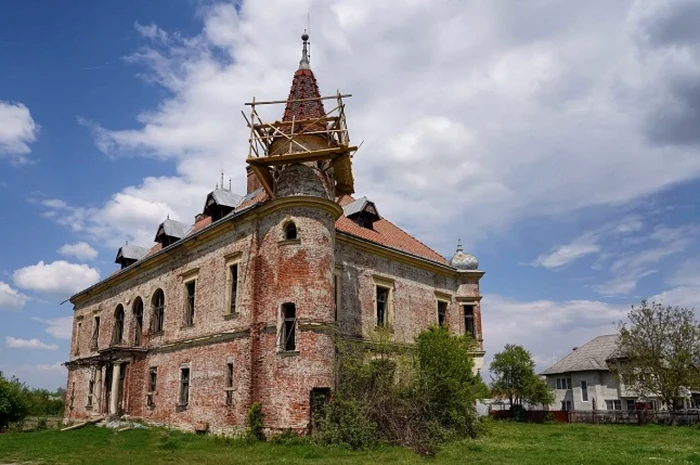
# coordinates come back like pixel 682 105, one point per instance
pixel 359 206
pixel 223 197
pixel 386 233
pixel 130 252
pixel 592 356
pixel 172 228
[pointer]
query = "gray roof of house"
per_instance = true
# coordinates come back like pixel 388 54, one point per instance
pixel 131 252
pixel 174 228
pixel 226 198
pixel 590 356
pixel 357 206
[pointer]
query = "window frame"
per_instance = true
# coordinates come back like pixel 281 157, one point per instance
pixel 382 322
pixel 90 393
pixel 185 389
pixel 137 321
pixel 95 338
pixel 289 228
pixel 232 307
pixel 228 388
pixel 190 300
pixel 152 387
pixel 119 324
pixel 78 333
pixel 584 390
pixel 472 318
pixel 284 328
pixel 157 324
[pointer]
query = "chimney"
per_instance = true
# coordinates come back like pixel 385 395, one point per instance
pixel 253 182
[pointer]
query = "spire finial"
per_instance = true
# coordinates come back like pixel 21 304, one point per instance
pixel 459 245
pixel 304 63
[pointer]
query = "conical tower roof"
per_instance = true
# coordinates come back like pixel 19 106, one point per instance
pixel 304 88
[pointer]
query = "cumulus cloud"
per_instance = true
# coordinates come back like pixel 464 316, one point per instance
pixel 11 299
pixel 18 343
pixel 59 277
pixel 60 327
pixel 80 250
pixel 524 109
pixel 17 131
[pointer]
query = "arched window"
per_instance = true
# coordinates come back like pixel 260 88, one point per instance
pixel 118 333
pixel 290 230
pixel 137 310
pixel 158 304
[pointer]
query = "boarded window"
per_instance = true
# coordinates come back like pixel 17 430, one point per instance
pixel 152 384
pixel 184 386
pixel 158 304
pixel 382 305
pixel 118 332
pixel 94 340
pixel 234 286
pixel 290 231
pixel 441 312
pixel 469 326
pixel 138 321
pixel 289 319
pixel 189 303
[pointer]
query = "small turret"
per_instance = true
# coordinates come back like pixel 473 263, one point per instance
pixel 464 261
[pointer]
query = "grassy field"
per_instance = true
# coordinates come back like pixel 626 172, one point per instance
pixel 506 443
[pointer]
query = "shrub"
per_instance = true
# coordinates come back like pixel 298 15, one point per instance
pixel 41 424
pixel 14 401
pixel 288 437
pixel 345 424
pixel 255 422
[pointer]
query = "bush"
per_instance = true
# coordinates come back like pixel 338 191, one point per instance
pixel 255 422
pixel 288 437
pixel 14 401
pixel 41 424
pixel 345 424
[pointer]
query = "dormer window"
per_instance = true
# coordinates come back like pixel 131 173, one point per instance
pixel 129 254
pixel 220 203
pixel 290 231
pixel 171 231
pixel 363 212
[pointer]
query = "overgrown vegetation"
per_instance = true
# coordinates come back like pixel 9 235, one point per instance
pixel 513 378
pixel 659 352
pixel 17 401
pixel 255 422
pixel 417 397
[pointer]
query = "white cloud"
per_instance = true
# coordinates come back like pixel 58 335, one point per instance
pixel 565 254
pixel 523 110
pixel 18 343
pixel 59 277
pixel 11 299
pixel 80 250
pixel 17 131
pixel 60 327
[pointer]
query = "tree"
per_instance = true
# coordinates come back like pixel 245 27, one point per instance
pixel 659 351
pixel 14 401
pixel 513 376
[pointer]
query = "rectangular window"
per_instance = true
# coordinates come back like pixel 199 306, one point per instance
pixel 615 405
pixel 559 383
pixel 382 306
pixel 91 390
pixel 469 327
pixel 152 383
pixel 95 333
pixel 584 391
pixel 189 303
pixel 441 312
pixel 77 338
pixel 184 386
pixel 563 383
pixel 229 383
pixel 631 405
pixel 568 383
pixel 233 270
pixel 289 319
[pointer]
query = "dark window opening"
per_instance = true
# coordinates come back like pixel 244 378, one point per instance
pixel 336 289
pixel 229 383
pixel 469 326
pixel 382 305
pixel 189 303
pixel 289 317
pixel 94 340
pixel 77 338
pixel 441 312
pixel 152 383
pixel 184 386
pixel 584 391
pixel 234 287
pixel 320 397
pixel 290 231
pixel 158 312
pixel 138 321
pixel 91 390
pixel 118 333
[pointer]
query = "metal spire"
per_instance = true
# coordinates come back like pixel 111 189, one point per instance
pixel 459 245
pixel 304 62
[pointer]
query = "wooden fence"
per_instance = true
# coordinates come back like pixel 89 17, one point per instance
pixel 630 417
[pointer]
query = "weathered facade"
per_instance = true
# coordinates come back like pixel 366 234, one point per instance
pixel 246 304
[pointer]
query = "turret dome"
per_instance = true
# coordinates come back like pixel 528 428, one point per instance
pixel 464 261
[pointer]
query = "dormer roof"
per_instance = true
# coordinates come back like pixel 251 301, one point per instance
pixel 130 252
pixel 224 198
pixel 363 204
pixel 172 228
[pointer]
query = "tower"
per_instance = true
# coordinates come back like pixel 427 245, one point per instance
pixel 303 161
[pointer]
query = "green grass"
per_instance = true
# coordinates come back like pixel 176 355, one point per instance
pixel 506 443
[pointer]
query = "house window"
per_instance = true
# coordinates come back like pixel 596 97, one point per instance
pixel 441 312
pixel 566 405
pixel 382 306
pixel 158 319
pixel 631 405
pixel 138 321
pixel 77 338
pixel 229 382
pixel 184 386
pixel 233 276
pixel 91 390
pixel 469 326
pixel 189 302
pixel 94 340
pixel 118 333
pixel 289 319
pixel 584 391
pixel 563 383
pixel 290 231
pixel 72 396
pixel 152 383
pixel 613 405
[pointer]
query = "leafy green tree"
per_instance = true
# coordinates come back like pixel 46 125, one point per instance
pixel 659 351
pixel 513 376
pixel 14 401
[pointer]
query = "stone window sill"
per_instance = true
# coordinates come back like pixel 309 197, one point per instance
pixel 187 326
pixel 288 353
pixel 88 407
pixel 181 407
pixel 231 316
pixel 296 241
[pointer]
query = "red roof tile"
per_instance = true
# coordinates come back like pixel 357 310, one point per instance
pixel 304 86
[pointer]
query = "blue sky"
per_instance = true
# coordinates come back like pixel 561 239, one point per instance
pixel 559 141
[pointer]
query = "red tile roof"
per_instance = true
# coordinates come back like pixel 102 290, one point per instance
pixel 304 86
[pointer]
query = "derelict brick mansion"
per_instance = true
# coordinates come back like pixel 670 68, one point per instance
pixel 245 305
